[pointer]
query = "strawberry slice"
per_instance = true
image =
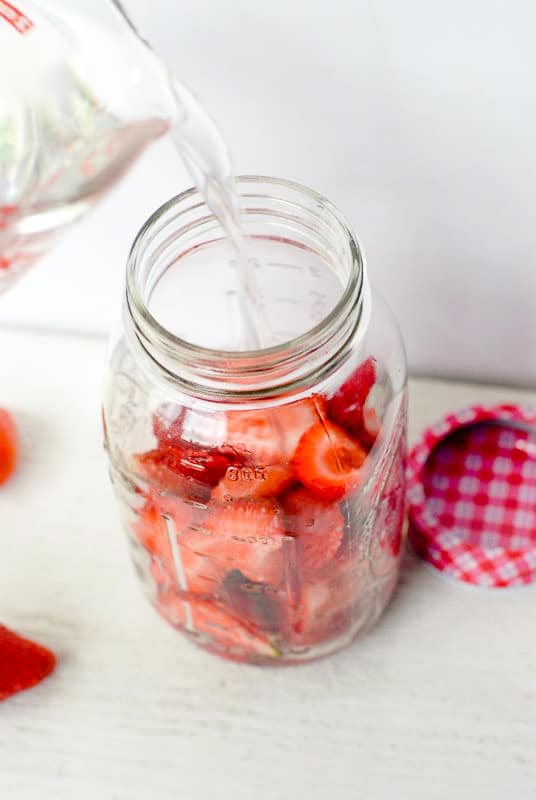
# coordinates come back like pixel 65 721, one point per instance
pixel 256 604
pixel 318 526
pixel 9 446
pixel 293 419
pixel 256 436
pixel 184 470
pixel 246 481
pixel 193 572
pixel 247 535
pixel 327 609
pixel 346 406
pixel 23 663
pixel 328 461
pixel 370 428
pixel 210 619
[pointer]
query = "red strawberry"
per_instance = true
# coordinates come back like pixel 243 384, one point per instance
pixel 253 482
pixel 23 663
pixel 222 628
pixel 318 526
pixel 327 608
pixel 293 419
pixel 9 446
pixel 328 461
pixel 179 566
pixel 256 604
pixel 346 406
pixel 185 470
pixel 370 429
pixel 255 435
pixel 247 535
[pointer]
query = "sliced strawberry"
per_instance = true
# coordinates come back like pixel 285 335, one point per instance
pixel 293 419
pixel 229 632
pixel 183 470
pixel 346 406
pixel 327 609
pixel 178 565
pixel 215 622
pixel 255 604
pixel 256 436
pixel 23 663
pixel 371 427
pixel 253 482
pixel 247 535
pixel 9 446
pixel 318 526
pixel 328 461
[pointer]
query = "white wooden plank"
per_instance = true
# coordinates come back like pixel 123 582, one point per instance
pixel 439 701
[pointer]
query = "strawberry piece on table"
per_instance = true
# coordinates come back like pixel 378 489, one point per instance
pixel 193 572
pixel 246 481
pixel 247 535
pixel 23 663
pixel 9 446
pixel 328 461
pixel 318 526
pixel 346 406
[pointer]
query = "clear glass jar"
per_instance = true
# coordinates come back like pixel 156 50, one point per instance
pixel 262 492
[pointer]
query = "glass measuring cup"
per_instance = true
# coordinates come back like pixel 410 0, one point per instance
pixel 81 96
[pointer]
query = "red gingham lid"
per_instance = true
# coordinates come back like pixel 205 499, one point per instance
pixel 472 495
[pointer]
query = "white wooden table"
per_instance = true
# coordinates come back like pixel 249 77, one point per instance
pixel 439 701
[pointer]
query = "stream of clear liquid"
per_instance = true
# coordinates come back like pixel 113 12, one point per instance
pixel 206 156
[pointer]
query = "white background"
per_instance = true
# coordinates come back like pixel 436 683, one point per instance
pixel 417 119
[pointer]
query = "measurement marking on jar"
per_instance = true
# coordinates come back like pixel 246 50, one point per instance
pixel 179 567
pixel 246 474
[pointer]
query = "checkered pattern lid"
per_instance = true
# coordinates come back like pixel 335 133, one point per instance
pixel 472 495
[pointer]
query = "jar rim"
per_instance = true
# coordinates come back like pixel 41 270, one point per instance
pixel 156 339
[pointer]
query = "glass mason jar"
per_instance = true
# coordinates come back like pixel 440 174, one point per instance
pixel 262 491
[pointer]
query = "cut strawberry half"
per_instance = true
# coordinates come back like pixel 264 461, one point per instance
pixel 9 446
pixel 256 604
pixel 184 470
pixel 293 419
pixel 255 435
pixel 179 565
pixel 327 609
pixel 240 482
pixel 328 461
pixel 247 535
pixel 222 628
pixel 318 526
pixel 370 427
pixel 23 663
pixel 346 406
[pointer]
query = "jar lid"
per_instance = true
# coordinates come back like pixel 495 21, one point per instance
pixel 472 495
